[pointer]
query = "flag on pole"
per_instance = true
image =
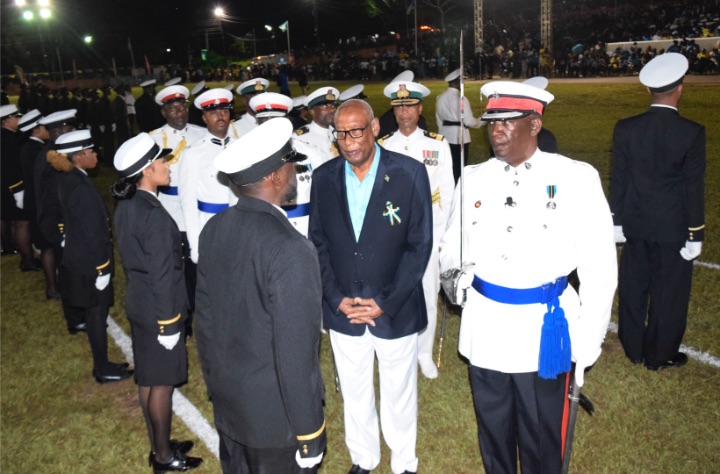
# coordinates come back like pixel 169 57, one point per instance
pixel 283 27
pixel 410 7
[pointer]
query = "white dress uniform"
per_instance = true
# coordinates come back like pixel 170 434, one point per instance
pixel 434 151
pixel 178 140
pixel 524 227
pixel 204 191
pixel 447 116
pixel 299 212
pixel 243 125
pixel 318 138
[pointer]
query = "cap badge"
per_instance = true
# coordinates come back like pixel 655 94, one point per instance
pixel 496 96
pixel 259 86
pixel 403 93
pixel 392 213
pixel 330 95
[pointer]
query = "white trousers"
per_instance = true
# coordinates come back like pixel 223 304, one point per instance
pixel 397 365
pixel 431 288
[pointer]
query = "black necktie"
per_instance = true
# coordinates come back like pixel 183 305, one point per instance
pixel 220 142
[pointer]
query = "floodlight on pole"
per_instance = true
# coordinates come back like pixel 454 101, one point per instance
pixel 268 27
pixel 20 3
pixel 43 3
pixel 28 15
pixel 45 13
pixel 219 12
pixel 88 39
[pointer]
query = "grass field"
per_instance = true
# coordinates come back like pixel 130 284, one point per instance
pixel 56 419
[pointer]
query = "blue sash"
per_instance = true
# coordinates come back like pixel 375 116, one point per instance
pixel 555 355
pixel 169 190
pixel 212 208
pixel 297 210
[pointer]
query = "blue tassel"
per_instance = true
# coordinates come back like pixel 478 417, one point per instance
pixel 555 351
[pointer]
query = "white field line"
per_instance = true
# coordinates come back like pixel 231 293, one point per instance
pixel 693 353
pixel 714 266
pixel 194 420
pixel 182 407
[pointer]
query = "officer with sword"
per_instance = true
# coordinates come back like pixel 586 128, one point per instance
pixel 520 223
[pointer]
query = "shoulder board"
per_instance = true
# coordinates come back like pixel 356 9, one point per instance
pixel 386 136
pixel 433 135
pixel 302 130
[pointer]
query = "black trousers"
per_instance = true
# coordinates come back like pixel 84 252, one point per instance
pixel 237 458
pixel 455 152
pixel 519 413
pixel 654 286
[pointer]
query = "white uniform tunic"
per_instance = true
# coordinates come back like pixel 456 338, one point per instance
pixel 204 191
pixel 299 212
pixel 447 109
pixel 243 125
pixel 434 151
pixel 321 139
pixel 178 140
pixel 524 227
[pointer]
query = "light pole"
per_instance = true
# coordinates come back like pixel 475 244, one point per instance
pixel 220 14
pixel 43 11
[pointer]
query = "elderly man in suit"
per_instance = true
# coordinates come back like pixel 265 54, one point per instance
pixel 371 221
pixel 256 313
pixel 658 204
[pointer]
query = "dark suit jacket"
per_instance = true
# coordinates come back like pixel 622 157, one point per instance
pixel 657 189
pixel 257 324
pixel 88 248
pixel 388 262
pixel 151 252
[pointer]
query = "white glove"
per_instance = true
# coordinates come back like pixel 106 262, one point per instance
pixel 102 282
pixel 113 127
pixel 691 250
pixel 62 244
pixel 102 128
pixel 168 342
pixel 619 236
pixel 464 282
pixel 580 373
pixel 19 199
pixel 306 463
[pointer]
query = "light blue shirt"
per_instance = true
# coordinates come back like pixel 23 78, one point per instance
pixel 359 192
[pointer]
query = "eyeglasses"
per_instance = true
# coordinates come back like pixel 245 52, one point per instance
pixel 354 133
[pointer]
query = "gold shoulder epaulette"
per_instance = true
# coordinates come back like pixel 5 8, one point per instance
pixel 434 135
pixel 302 130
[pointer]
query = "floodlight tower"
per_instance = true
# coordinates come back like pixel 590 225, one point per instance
pixel 478 4
pixel 546 25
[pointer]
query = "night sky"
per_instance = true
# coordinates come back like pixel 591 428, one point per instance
pixel 153 26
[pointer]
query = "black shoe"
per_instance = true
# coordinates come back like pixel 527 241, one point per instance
pixel 636 361
pixel 82 327
pixel 175 445
pixel 678 360
pixel 179 462
pixel 29 267
pixel 355 469
pixel 114 375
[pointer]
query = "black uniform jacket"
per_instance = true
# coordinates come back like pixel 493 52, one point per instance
pixel 257 323
pixel 657 190
pixel 389 261
pixel 151 253
pixel 47 202
pixel 88 247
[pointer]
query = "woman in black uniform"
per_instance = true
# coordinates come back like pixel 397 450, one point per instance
pixel 155 298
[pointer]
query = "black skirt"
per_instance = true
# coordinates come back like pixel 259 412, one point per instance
pixel 155 365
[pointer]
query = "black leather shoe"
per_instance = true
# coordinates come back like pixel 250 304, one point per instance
pixel 179 462
pixel 355 469
pixel 175 445
pixel 82 327
pixel 115 375
pixel 678 360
